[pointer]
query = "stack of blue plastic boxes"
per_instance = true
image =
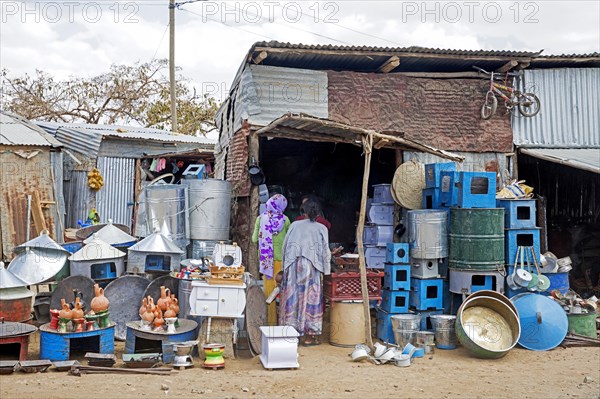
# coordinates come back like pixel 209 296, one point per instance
pixel 396 289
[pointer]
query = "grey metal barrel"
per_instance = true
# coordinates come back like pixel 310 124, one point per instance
pixel 427 233
pixel 167 212
pixel 210 209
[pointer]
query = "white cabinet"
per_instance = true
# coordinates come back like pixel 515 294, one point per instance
pixel 279 347
pixel 217 300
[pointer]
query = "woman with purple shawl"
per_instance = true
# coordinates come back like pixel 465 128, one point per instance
pixel 269 230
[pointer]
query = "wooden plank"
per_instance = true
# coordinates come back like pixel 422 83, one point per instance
pixel 389 65
pixel 508 66
pixel 38 214
pixel 253 152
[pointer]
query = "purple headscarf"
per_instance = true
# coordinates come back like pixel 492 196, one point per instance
pixel 271 223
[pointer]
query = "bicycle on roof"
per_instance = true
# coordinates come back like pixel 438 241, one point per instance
pixel 528 104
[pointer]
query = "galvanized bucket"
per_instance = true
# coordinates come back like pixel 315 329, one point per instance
pixel 427 234
pixel 444 330
pixel 405 327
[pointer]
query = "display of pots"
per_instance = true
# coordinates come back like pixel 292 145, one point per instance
pixel 99 302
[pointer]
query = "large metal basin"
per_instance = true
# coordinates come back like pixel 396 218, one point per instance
pixel 487 327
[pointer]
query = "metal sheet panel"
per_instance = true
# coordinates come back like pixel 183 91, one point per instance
pixel 56 160
pixel 581 158
pixel 474 161
pixel 78 198
pixel 17 131
pixel 115 200
pixel 277 91
pixel 570 109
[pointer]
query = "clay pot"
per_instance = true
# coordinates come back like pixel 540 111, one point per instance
pixel 77 312
pixel 174 304
pixel 65 312
pixel 158 318
pixel 54 322
pixel 144 306
pixel 148 315
pixel 170 313
pixel 165 300
pixel 99 302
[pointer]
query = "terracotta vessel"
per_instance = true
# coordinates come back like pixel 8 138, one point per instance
pixel 99 302
pixel 158 319
pixel 54 321
pixel 79 324
pixel 170 313
pixel 165 300
pixel 144 306
pixel 90 325
pixel 77 312
pixel 65 312
pixel 148 315
pixel 175 304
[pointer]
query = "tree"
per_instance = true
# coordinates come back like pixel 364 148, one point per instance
pixel 125 94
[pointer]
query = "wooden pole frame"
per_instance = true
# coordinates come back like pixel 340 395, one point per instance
pixel 368 150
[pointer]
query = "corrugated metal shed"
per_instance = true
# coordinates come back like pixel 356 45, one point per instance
pixel 581 158
pixel 570 109
pixel 115 200
pixel 87 138
pixel 17 131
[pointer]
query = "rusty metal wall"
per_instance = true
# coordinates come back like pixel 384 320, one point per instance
pixel 20 177
pixel 115 200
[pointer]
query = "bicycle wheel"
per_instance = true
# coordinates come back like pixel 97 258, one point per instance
pixel 529 104
pixel 489 107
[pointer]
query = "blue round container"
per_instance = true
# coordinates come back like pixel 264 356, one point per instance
pixel 544 323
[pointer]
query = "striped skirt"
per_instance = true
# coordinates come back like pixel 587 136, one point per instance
pixel 301 298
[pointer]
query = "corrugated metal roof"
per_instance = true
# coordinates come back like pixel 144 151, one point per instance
pixel 581 158
pixel 410 49
pixel 87 138
pixel 570 109
pixel 18 131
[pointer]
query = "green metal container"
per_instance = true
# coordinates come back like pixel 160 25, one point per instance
pixel 583 324
pixel 476 239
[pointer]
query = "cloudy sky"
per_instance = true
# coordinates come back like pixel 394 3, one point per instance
pixel 85 37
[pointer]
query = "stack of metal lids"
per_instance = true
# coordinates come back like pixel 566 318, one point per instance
pixel 96 249
pixel 156 243
pixel 112 235
pixel 38 260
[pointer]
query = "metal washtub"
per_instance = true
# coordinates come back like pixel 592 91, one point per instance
pixel 427 234
pixel 405 328
pixel 210 209
pixel 444 330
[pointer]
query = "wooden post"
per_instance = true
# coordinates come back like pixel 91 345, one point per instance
pixel 367 148
pixel 253 151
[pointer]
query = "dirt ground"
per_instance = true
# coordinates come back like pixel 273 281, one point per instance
pixel 327 372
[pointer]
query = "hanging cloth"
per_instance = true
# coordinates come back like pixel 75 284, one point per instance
pixel 272 221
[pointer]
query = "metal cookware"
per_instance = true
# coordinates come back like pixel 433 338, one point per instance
pixel 544 321
pixel 125 295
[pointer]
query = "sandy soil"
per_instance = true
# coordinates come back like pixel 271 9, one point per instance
pixel 327 372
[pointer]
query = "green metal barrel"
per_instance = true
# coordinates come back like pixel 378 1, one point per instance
pixel 476 239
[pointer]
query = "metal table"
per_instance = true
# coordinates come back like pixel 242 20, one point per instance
pixel 185 332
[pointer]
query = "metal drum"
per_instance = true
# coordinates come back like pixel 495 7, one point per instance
pixel 347 327
pixel 167 211
pixel 210 209
pixel 427 234
pixel 476 239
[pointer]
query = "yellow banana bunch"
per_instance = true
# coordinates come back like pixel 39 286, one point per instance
pixel 95 180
